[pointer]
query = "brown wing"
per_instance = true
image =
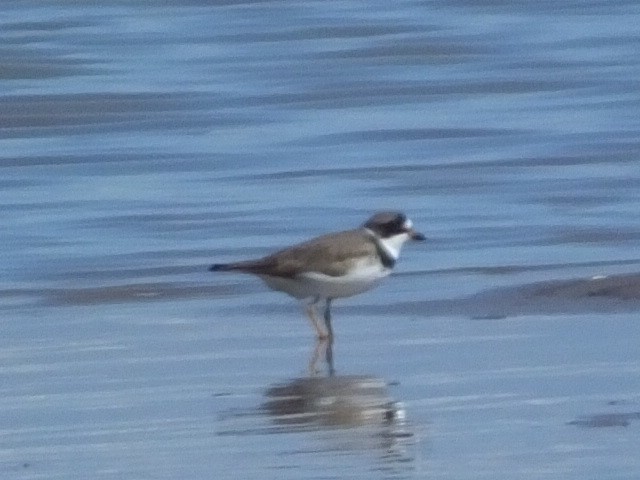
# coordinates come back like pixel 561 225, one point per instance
pixel 330 254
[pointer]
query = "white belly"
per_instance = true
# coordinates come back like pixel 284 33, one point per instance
pixel 314 284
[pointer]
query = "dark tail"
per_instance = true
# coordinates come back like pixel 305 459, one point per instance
pixel 220 267
pixel 249 266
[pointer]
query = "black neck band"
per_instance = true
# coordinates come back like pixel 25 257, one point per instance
pixel 387 260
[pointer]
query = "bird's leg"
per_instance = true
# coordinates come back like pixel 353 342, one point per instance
pixel 315 322
pixel 327 318
pixel 313 369
pixel 328 356
pixel 324 347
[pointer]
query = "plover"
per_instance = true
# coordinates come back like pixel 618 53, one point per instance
pixel 335 265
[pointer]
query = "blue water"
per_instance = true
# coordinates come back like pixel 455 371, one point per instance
pixel 142 141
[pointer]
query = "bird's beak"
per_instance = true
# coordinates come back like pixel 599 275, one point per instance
pixel 413 235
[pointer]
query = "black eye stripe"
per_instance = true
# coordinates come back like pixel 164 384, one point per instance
pixel 393 227
pixel 387 224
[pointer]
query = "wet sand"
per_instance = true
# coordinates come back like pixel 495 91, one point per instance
pixel 599 294
pixel 608 294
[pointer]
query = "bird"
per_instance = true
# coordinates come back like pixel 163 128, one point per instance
pixel 335 265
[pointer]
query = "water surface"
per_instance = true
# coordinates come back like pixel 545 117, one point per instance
pixel 142 141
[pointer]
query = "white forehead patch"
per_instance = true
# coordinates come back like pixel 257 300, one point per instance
pixel 408 224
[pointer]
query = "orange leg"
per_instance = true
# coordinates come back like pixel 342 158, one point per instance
pixel 320 332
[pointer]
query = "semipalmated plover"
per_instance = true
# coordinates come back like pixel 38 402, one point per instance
pixel 335 265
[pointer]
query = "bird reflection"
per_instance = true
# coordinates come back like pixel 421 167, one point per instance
pixel 352 413
pixel 325 399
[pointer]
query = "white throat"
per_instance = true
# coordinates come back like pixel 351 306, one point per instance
pixel 391 245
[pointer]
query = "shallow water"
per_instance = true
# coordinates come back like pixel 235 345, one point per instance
pixel 141 142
